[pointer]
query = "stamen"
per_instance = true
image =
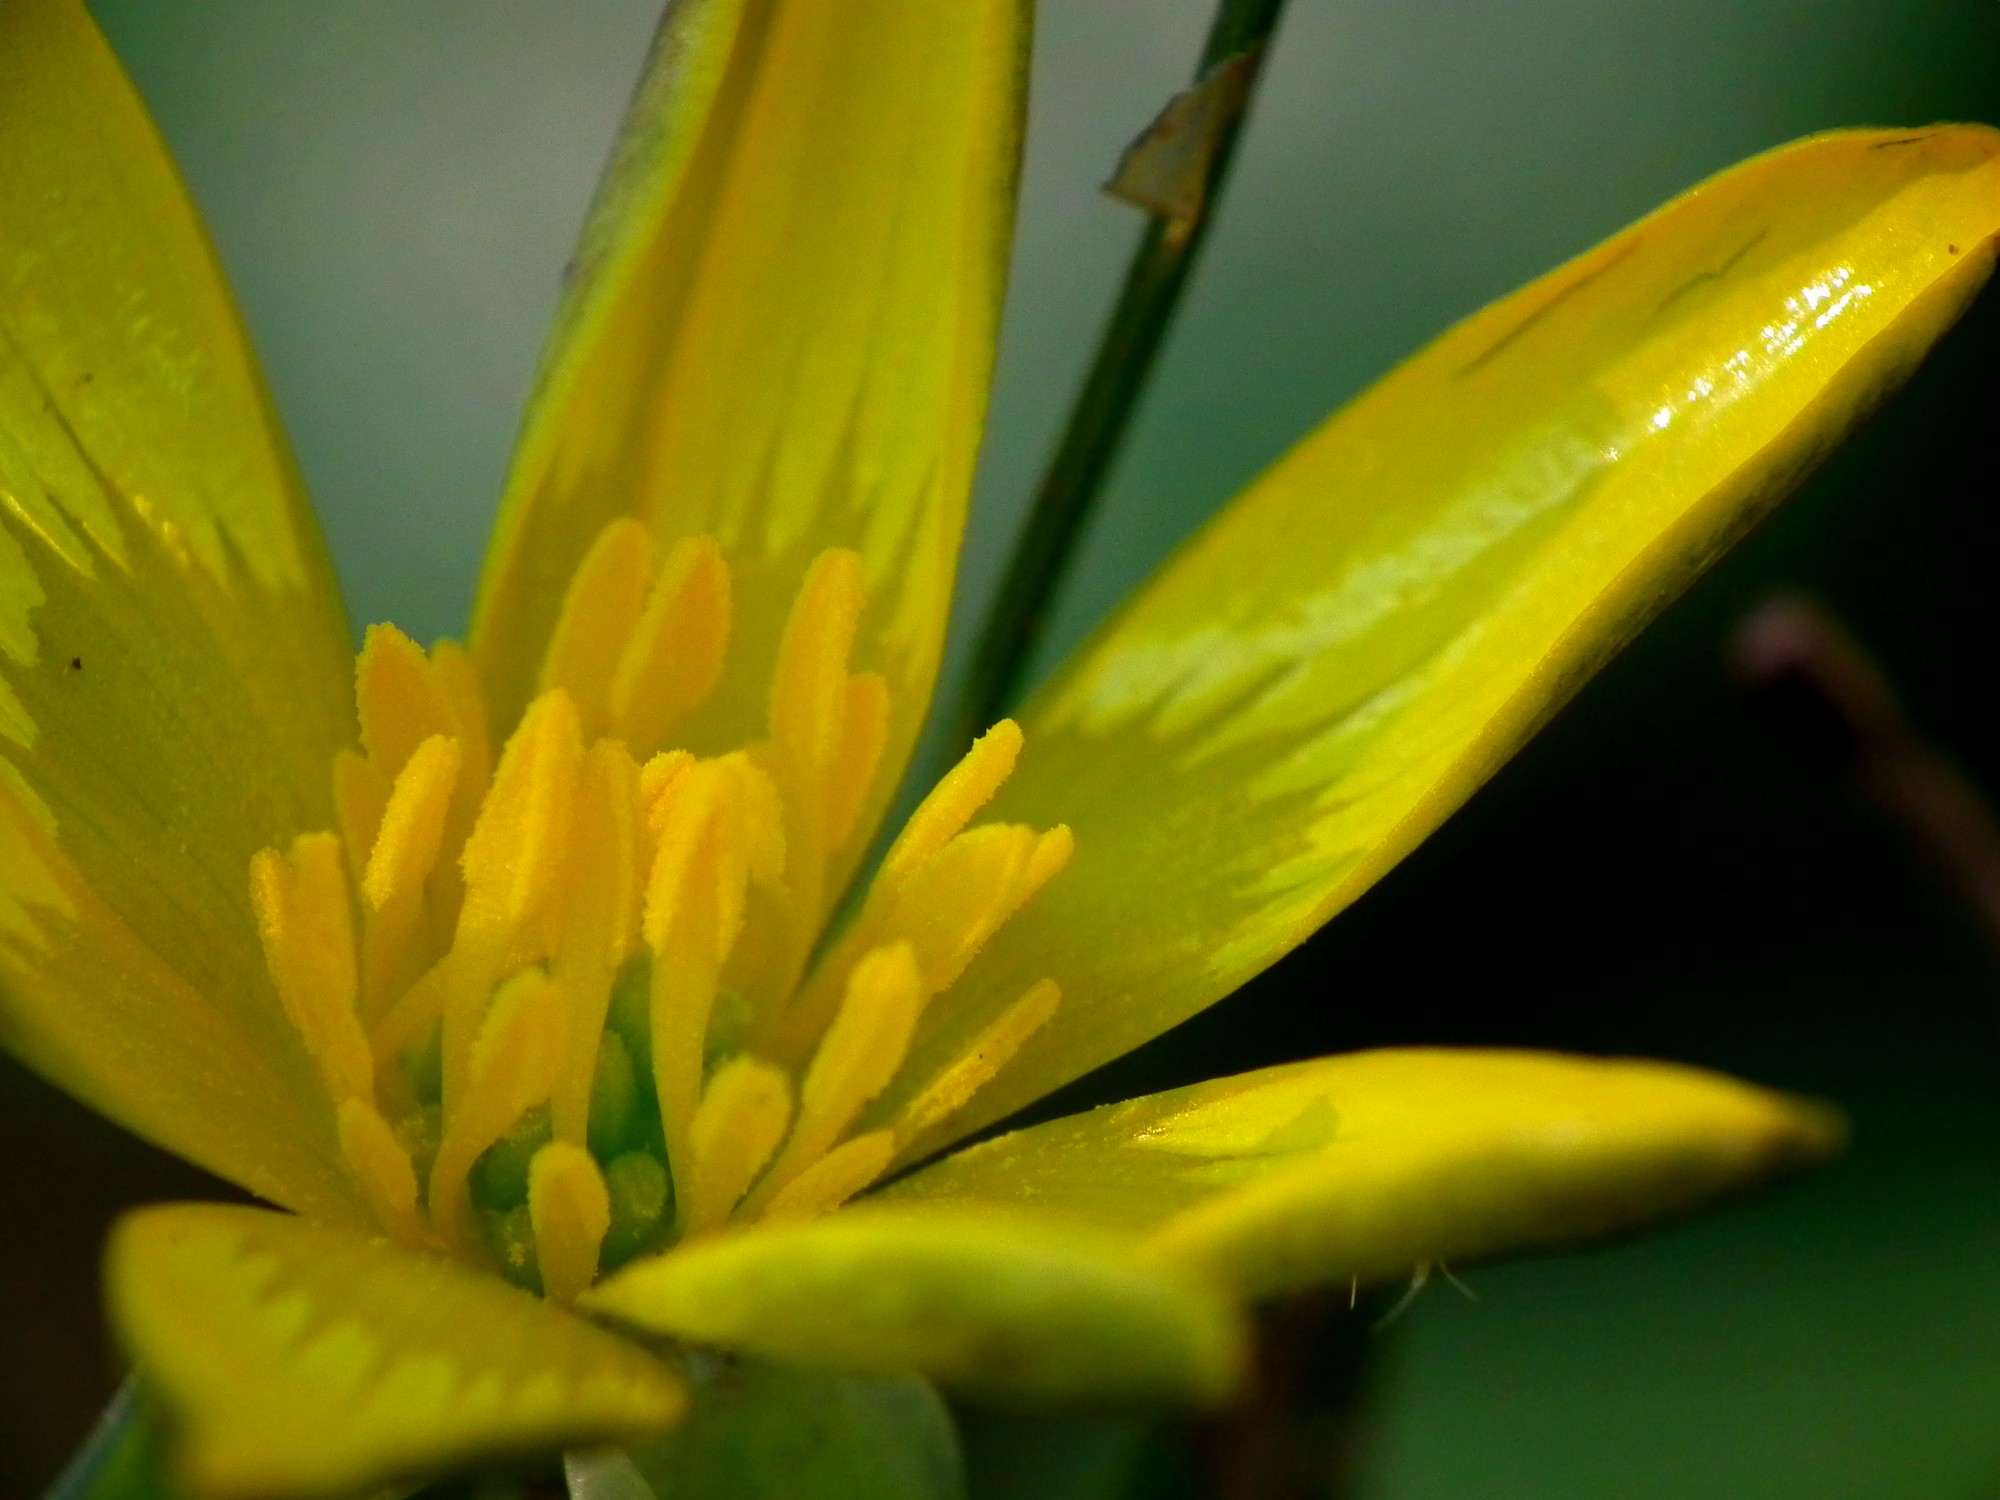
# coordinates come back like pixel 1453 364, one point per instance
pixel 590 956
pixel 861 744
pixel 509 1072
pixel 457 681
pixel 742 1118
pixel 570 1208
pixel 673 658
pixel 599 927
pixel 995 1047
pixel 602 605
pixel 399 700
pixel 687 926
pixel 718 831
pixel 382 1167
pixel 412 822
pixel 815 710
pixel 953 802
pixel 515 851
pixel 835 1177
pixel 360 794
pixel 942 888
pixel 809 688
pixel 307 928
pixel 405 851
pixel 856 1059
pixel 656 779
pixel 511 862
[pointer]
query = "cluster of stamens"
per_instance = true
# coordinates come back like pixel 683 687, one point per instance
pixel 567 1006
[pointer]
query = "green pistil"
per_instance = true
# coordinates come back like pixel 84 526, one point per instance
pixel 511 1238
pixel 423 1067
pixel 418 1134
pixel 500 1179
pixel 641 1194
pixel 625 1138
pixel 631 1013
pixel 614 1098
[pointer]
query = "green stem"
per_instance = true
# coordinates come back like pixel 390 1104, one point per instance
pixel 1103 411
pixel 118 1460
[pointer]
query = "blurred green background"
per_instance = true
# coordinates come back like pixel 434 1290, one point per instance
pixel 393 186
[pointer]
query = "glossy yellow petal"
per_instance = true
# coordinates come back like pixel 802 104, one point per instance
pixel 1333 665
pixel 173 665
pixel 998 1305
pixel 780 332
pixel 301 1360
pixel 1380 1163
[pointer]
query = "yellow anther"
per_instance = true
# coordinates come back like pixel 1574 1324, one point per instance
pixel 760 819
pixel 570 1209
pixel 412 823
pixel 995 1047
pixel 382 1167
pixel 687 925
pixel 861 743
pixel 600 609
pixel 956 899
pixel 410 1017
pixel 590 836
pixel 688 861
pixel 398 697
pixel 510 1071
pixel 516 848
pixel 599 923
pixel 1051 856
pixel 834 1178
pixel 392 886
pixel 307 927
pixel 954 801
pixel 673 658
pixel 457 681
pixel 360 793
pixel 742 1118
pixel 513 862
pixel 657 779
pixel 809 687
pixel 860 1053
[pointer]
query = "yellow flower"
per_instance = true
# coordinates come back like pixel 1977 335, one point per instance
pixel 533 977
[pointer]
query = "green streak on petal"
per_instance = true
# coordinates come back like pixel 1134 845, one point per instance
pixel 301 1360
pixel 1330 668
pixel 174 670
pixel 780 334
pixel 1376 1164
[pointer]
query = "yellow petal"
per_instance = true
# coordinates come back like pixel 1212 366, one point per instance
pixel 779 333
pixel 174 670
pixel 982 1302
pixel 301 1360
pixel 1330 668
pixel 1379 1163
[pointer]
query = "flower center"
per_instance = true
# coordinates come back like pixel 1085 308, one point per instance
pixel 565 1006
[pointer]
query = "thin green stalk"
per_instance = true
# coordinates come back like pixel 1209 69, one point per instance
pixel 1103 411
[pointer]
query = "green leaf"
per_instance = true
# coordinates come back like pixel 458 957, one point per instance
pixel 759 1431
pixel 122 1459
